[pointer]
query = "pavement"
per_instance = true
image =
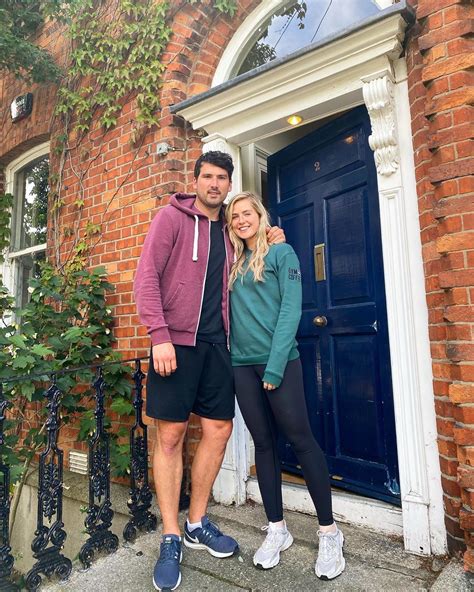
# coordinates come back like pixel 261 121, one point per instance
pixel 374 562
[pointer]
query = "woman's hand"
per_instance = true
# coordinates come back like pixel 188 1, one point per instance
pixel 269 387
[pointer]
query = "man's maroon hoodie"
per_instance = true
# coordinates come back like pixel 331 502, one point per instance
pixel 171 273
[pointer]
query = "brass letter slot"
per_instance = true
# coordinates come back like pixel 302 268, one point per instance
pixel 319 263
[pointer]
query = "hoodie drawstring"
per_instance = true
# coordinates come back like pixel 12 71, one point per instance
pixel 196 238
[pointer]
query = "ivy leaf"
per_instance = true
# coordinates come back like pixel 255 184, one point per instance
pixel 27 390
pixel 21 362
pixel 120 459
pixel 122 406
pixel 86 426
pixel 56 342
pixel 41 350
pixel 121 388
pixel 72 333
pixel 18 341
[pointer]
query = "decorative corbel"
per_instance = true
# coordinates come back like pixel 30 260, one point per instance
pixel 378 97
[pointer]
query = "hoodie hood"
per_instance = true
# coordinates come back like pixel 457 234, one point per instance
pixel 185 203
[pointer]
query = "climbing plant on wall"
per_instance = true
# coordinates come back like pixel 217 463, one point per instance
pixel 114 53
pixel 114 56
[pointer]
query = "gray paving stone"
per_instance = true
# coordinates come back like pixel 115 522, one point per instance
pixel 453 577
pixel 374 563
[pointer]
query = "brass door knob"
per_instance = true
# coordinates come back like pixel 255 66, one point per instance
pixel 320 321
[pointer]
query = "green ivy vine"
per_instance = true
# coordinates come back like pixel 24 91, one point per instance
pixel 114 55
pixel 116 51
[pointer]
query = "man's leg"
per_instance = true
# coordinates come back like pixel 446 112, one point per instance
pixel 168 471
pixel 206 464
pixel 215 400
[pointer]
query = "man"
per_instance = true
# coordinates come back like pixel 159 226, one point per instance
pixel 181 291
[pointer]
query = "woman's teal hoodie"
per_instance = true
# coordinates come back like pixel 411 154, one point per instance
pixel 265 315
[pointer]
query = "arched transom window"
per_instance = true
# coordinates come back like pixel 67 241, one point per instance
pixel 298 24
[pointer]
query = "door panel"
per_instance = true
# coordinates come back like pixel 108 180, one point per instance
pixel 355 366
pixel 348 256
pixel 323 192
pixel 300 224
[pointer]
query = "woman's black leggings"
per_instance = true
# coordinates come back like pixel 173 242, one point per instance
pixel 283 408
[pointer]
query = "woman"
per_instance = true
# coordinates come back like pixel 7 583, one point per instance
pixel 265 285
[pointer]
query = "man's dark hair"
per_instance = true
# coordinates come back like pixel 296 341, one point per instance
pixel 217 158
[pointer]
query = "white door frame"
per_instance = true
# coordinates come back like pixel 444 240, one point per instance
pixel 361 68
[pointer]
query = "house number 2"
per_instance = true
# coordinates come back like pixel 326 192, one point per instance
pixel 317 166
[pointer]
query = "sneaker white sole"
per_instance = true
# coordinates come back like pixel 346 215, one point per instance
pixel 160 589
pixel 201 546
pixel 338 572
pixel 276 559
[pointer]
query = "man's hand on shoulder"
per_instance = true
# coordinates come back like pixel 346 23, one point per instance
pixel 275 235
pixel 164 358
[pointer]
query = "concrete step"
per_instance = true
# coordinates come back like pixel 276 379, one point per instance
pixel 374 562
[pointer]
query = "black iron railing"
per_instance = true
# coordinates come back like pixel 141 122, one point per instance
pixel 6 557
pixel 50 535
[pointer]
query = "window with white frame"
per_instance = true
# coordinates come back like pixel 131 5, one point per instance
pixel 28 180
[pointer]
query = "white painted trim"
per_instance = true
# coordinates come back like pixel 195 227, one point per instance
pixel 12 168
pixel 320 84
pixel 21 161
pixel 28 251
pixel 312 85
pixel 348 508
pixel 407 313
pixel 420 317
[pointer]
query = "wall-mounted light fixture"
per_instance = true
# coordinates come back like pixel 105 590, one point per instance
pixel 163 148
pixel 294 119
pixel 21 107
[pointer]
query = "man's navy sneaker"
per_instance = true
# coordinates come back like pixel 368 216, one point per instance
pixel 167 575
pixel 209 537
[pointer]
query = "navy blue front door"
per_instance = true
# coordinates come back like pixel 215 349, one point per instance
pixel 323 192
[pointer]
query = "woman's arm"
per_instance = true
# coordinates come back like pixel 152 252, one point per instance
pixel 289 279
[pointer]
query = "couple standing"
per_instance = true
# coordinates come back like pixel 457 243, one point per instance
pixel 222 304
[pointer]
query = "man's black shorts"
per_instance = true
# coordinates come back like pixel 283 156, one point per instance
pixel 202 384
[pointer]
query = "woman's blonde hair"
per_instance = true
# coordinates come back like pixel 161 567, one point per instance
pixel 257 258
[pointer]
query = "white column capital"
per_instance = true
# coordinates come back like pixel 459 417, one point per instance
pixel 220 143
pixel 380 103
pixel 216 142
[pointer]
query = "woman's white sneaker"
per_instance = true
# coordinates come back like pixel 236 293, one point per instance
pixel 330 562
pixel 278 539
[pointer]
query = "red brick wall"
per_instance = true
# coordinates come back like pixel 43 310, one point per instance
pixel 125 181
pixel 440 58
